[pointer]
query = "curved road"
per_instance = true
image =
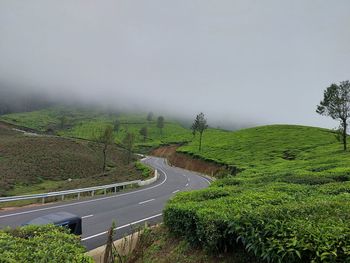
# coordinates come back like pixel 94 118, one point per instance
pixel 128 209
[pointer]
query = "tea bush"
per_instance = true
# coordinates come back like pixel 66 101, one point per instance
pixel 41 244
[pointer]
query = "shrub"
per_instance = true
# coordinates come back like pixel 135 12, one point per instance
pixel 146 171
pixel 40 244
pixel 271 222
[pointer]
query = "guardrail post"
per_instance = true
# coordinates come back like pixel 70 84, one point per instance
pixel 62 194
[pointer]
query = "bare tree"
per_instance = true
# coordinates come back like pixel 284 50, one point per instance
pixel 199 125
pixel 116 125
pixel 144 133
pixel 160 124
pixel 63 121
pixel 128 143
pixel 106 138
pixel 150 116
pixel 336 104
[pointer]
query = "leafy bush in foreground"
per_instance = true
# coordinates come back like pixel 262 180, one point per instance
pixel 275 225
pixel 40 244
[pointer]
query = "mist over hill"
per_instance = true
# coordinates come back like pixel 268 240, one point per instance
pixel 14 100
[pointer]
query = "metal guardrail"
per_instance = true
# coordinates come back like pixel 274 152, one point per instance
pixel 79 191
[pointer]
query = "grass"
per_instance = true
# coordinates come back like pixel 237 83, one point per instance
pixel 40 163
pixel 160 246
pixel 280 151
pixel 288 202
pixel 88 124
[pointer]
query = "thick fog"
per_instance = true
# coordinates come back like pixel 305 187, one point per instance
pixel 244 61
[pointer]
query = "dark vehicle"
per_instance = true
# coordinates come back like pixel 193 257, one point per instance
pixel 65 219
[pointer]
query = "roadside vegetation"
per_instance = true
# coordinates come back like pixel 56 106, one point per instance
pixel 157 244
pixel 34 244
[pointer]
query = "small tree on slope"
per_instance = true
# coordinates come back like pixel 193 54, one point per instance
pixel 336 104
pixel 160 124
pixel 106 138
pixel 199 125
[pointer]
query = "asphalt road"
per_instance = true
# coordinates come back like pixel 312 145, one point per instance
pixel 128 209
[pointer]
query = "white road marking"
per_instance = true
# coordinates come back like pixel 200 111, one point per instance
pixel 186 184
pixel 176 191
pixel 120 227
pixel 209 182
pixel 88 201
pixel 147 201
pixel 144 159
pixel 83 217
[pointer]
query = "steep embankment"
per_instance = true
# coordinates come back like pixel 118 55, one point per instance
pixel 289 203
pixel 188 162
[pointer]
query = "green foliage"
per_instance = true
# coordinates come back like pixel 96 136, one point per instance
pixel 41 244
pixel 289 203
pixel 145 170
pixel 336 101
pixel 86 124
pixel 199 125
pixel 336 104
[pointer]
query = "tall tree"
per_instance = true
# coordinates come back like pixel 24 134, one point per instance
pixel 144 133
pixel 128 143
pixel 199 125
pixel 150 116
pixel 160 124
pixel 336 104
pixel 106 138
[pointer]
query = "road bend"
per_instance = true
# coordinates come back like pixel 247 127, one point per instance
pixel 128 209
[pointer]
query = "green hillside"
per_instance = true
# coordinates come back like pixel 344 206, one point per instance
pixel 289 203
pixel 88 124
pixel 32 164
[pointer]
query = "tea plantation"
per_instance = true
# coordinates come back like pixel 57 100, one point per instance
pixel 289 202
pixel 89 123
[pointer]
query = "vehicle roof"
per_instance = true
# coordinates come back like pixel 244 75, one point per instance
pixel 54 218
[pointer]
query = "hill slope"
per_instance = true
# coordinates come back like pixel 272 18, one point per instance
pixel 89 123
pixel 279 150
pixel 40 163
pixel 289 203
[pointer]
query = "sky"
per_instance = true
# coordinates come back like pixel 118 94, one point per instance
pixel 244 62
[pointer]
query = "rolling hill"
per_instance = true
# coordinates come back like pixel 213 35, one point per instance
pixel 88 124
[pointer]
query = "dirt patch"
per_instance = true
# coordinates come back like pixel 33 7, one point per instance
pixel 188 162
